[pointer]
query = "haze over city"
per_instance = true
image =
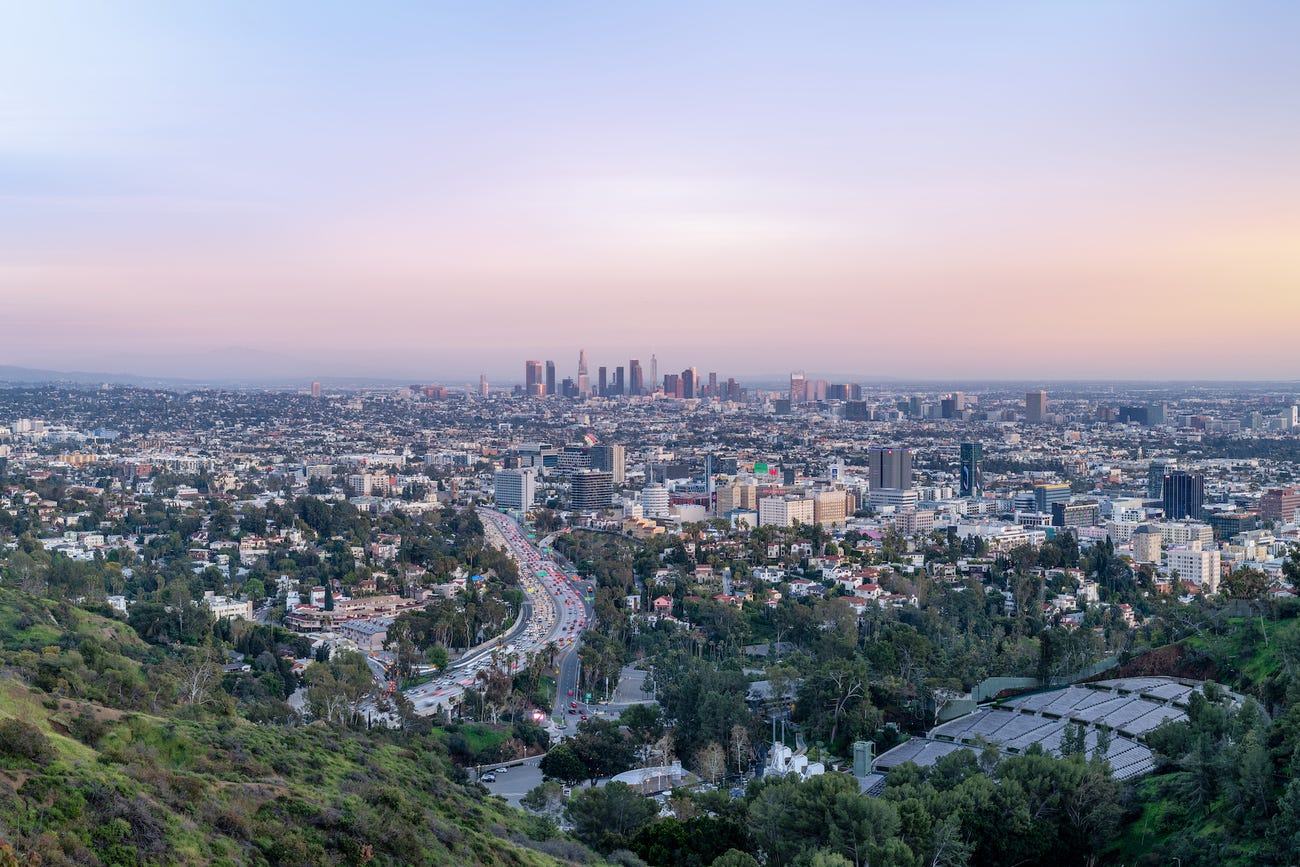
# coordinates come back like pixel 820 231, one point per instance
pixel 1062 191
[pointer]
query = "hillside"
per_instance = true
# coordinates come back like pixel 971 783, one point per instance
pixel 1225 788
pixel 83 781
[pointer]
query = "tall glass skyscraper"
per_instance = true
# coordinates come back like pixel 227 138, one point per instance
pixel 972 479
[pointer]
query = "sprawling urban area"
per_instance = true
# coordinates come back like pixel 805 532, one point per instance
pixel 670 615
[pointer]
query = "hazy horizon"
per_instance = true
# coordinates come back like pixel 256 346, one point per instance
pixel 1004 191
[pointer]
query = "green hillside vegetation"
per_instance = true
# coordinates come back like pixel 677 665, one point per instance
pixel 1226 787
pixel 100 763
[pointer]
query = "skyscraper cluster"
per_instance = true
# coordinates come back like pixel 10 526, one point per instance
pixel 629 381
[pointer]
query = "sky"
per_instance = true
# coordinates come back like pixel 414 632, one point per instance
pixel 1061 190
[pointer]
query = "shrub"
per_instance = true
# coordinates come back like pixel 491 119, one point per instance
pixel 24 741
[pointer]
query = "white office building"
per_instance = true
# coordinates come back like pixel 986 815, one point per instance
pixel 784 511
pixel 515 489
pixel 1197 565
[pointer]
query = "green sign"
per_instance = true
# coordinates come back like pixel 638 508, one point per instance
pixel 588 696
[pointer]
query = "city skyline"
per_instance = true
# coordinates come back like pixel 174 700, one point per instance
pixel 1093 191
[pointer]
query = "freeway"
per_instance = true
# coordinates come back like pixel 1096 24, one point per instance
pixel 555 613
pixel 574 613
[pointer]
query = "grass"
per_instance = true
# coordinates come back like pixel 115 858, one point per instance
pixel 190 786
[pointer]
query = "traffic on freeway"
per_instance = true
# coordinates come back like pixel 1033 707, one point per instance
pixel 556 612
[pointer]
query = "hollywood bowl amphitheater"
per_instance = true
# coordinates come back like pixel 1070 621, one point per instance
pixel 1129 707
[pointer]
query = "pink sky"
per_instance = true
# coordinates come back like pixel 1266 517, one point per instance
pixel 1093 191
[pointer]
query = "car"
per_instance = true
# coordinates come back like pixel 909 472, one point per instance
pixel 573 710
pixel 583 717
pixel 488 778
pixel 573 703
pixel 501 770
pixel 570 692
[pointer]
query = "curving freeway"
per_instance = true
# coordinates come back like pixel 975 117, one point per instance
pixel 555 613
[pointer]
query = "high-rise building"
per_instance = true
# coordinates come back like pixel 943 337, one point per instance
pixel 591 490
pixel 690 383
pixel 584 378
pixel 620 385
pixel 612 458
pixel 797 390
pixel 1156 472
pixel 515 489
pixel 532 375
pixel 1146 544
pixel 550 378
pixel 672 385
pixel 1184 494
pixel 654 501
pixel 315 389
pixel 1197 565
pixel 1045 496
pixel 972 478
pixel 482 385
pixel 1035 406
pixel 1084 514
pixel 636 385
pixel 602 385
pixel 889 467
pixel 654 370
pixel 1280 505
pixel 713 384
pixel 953 405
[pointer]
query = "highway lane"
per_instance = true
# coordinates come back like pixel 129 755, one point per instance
pixel 574 613
pixel 555 612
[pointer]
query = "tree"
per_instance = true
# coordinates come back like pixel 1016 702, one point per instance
pixel 644 723
pixel 337 689
pixel 197 677
pixel 742 749
pixel 564 764
pixel 544 798
pixel 603 749
pixel 1245 583
pixel 437 656
pixel 607 818
pixel 947 847
pixel 735 858
pixel 711 762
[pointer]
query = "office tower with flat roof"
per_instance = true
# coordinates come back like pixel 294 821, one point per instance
pixel 672 385
pixel 515 489
pixel 591 490
pixel 620 384
pixel 635 384
pixel 690 383
pixel 972 479
pixel 482 385
pixel 532 375
pixel 654 370
pixel 1035 406
pixel 315 389
pixel 1184 494
pixel 612 458
pixel 713 384
pixel 1280 505
pixel 602 384
pixel 797 389
pixel 1156 472
pixel 550 378
pixel 889 467
pixel 1047 495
